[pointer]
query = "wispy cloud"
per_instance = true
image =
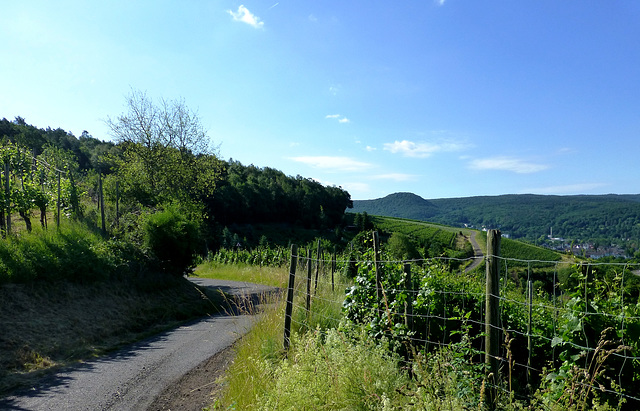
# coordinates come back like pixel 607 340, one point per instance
pixel 422 150
pixel 580 188
pixel 369 148
pixel 245 16
pixel 341 119
pixel 513 164
pixel 333 163
pixel 396 177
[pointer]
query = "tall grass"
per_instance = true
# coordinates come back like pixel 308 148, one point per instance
pixel 72 252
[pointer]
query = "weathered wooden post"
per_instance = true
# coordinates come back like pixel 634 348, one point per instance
pixel 58 202
pixel 492 317
pixel 289 306
pixel 408 305
pixel 308 280
pixel 318 259
pixel 529 345
pixel 376 258
pixel 117 204
pixel 104 227
pixel 333 269
pixel 7 197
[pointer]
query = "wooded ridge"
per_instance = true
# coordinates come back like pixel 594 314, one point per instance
pixel 601 219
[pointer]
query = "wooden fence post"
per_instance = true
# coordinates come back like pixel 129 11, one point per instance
pixel 58 202
pixel 492 317
pixel 7 197
pixel 308 280
pixel 117 204
pixel 104 227
pixel 529 346
pixel 289 307
pixel 408 305
pixel 318 259
pixel 333 269
pixel 376 258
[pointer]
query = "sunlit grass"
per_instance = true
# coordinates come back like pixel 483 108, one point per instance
pixel 261 351
pixel 272 276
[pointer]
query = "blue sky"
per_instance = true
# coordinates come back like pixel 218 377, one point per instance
pixel 448 98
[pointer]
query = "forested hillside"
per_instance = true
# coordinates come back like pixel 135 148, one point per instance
pixel 596 218
pixel 160 158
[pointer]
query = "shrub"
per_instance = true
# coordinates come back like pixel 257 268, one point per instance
pixel 173 239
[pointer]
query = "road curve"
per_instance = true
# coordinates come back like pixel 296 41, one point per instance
pixel 477 253
pixel 131 378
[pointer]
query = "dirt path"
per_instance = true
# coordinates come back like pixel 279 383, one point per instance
pixel 198 388
pixel 136 378
pixel 477 253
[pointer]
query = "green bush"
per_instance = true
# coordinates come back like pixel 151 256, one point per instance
pixel 173 237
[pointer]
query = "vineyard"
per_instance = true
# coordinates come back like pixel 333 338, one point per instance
pixel 569 334
pixel 35 182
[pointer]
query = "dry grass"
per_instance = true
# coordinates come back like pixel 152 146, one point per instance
pixel 47 325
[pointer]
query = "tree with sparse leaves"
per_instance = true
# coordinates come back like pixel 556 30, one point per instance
pixel 166 153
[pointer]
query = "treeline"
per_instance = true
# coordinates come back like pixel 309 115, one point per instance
pixel 160 185
pixel 88 152
pixel 249 194
pixel 242 194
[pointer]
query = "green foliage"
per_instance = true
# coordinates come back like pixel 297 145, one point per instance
pixel 400 247
pixel 607 218
pixel 248 195
pixel 274 256
pixel 71 253
pixel 165 153
pixel 360 374
pixel 173 238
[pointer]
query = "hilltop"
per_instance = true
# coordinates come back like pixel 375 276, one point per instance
pixel 601 219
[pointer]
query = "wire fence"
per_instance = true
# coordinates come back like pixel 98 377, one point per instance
pixel 580 326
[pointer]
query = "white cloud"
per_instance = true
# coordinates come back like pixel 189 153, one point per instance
pixel 369 148
pixel 565 189
pixel 336 163
pixel 341 119
pixel 396 177
pixel 245 16
pixel 422 150
pixel 515 165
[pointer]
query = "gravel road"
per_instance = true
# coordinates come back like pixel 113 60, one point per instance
pixel 131 378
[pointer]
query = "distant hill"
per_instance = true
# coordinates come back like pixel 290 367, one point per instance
pixel 596 218
pixel 404 205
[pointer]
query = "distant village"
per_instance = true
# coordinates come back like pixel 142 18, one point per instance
pixel 587 250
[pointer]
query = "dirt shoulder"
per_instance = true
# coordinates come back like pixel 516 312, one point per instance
pixel 198 388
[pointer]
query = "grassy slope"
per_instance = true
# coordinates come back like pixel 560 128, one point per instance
pixel 65 296
pixel 49 325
